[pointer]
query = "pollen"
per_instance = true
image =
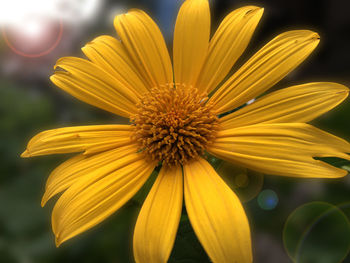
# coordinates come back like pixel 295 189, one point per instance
pixel 174 124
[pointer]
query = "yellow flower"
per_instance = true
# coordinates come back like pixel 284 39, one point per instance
pixel 173 121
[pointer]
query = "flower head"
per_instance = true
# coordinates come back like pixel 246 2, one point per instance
pixel 174 124
pixel 176 115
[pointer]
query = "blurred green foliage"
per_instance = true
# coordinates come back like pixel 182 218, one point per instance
pixel 312 231
pixel 25 232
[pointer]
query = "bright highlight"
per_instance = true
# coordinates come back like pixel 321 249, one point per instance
pixel 71 11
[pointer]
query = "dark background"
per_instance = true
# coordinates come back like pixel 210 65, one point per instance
pixel 29 103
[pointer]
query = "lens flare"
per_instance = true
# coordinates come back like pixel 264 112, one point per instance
pixel 34 37
pixel 34 28
pixel 267 199
pixel 246 183
pixel 317 232
pixel 73 11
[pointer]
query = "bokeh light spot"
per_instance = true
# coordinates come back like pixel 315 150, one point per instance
pixel 317 232
pixel 241 180
pixel 33 37
pixel 267 199
pixel 246 183
pixel 32 28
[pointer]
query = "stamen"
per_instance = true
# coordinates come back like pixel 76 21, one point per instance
pixel 174 124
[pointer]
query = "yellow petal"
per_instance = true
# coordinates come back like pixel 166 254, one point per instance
pixel 300 103
pixel 227 45
pixel 99 194
pixel 269 65
pixel 146 46
pixel 91 84
pixel 216 214
pixel 110 54
pixel 285 149
pixel 79 167
pixel 78 139
pixel 191 40
pixel 159 218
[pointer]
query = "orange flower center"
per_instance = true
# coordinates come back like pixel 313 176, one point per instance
pixel 174 124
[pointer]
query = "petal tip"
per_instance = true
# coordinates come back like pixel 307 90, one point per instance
pixel 25 154
pixel 44 200
pixel 259 11
pixel 316 36
pixel 117 18
pixel 341 174
pixel 345 90
pixel 254 10
pixel 57 241
pixel 84 48
pixel 344 93
pixel 309 34
pixel 52 78
pixel 339 89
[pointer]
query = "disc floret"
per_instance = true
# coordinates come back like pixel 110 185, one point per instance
pixel 174 124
